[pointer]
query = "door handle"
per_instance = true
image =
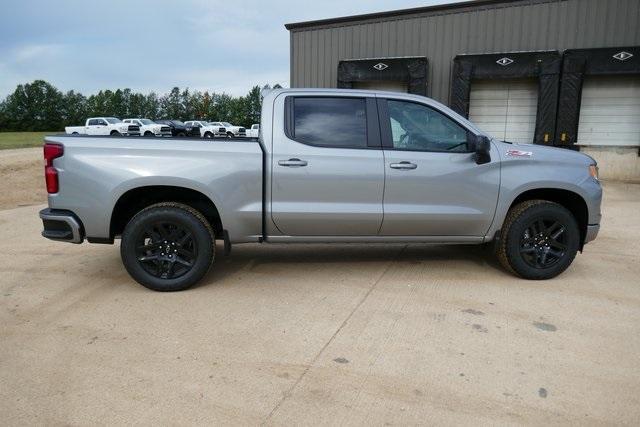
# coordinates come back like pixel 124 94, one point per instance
pixel 403 166
pixel 292 163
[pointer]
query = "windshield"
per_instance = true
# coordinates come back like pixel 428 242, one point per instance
pixel 227 124
pixel 147 122
pixel 113 120
pixel 177 122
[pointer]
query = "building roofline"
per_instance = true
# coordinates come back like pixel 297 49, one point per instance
pixel 468 4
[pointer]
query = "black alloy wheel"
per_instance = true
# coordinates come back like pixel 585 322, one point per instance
pixel 543 242
pixel 166 250
pixel 168 246
pixel 539 239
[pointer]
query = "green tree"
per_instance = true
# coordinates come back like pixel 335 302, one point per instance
pixel 171 105
pixel 74 108
pixel 34 106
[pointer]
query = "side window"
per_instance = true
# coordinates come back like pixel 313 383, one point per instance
pixel 329 122
pixel 416 127
pixel 93 122
pixel 101 122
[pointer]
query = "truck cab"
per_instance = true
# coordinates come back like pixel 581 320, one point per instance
pixel 149 127
pixel 207 129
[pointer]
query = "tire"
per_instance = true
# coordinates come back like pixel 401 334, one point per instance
pixel 148 134
pixel 115 133
pixel 208 135
pixel 539 240
pixel 179 263
pixel 230 135
pixel 75 133
pixel 181 135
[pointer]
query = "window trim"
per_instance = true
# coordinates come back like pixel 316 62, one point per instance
pixel 387 136
pixel 372 126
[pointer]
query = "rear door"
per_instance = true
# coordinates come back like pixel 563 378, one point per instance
pixel 327 166
pixel 433 185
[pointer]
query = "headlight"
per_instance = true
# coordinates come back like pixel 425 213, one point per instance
pixel 593 171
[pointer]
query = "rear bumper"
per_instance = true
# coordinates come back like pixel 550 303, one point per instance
pixel 592 232
pixel 61 225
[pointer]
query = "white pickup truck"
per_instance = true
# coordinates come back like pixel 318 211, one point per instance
pixel 254 132
pixel 149 127
pixel 207 130
pixel 104 126
pixel 232 131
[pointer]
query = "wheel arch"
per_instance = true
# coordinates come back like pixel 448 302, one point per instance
pixel 136 199
pixel 570 200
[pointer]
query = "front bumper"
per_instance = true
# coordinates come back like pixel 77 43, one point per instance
pixel 61 225
pixel 592 232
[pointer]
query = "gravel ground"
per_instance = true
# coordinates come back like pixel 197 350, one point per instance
pixel 318 334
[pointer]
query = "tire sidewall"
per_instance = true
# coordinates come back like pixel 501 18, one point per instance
pixel 202 239
pixel 547 211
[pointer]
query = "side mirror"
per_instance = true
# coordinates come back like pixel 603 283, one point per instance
pixel 483 149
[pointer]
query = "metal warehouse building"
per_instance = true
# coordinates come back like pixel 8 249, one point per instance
pixel 553 72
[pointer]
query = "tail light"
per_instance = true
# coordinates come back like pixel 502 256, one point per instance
pixel 51 151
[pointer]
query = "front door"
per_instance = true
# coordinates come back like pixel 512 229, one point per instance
pixel 327 167
pixel 433 185
pixel 96 127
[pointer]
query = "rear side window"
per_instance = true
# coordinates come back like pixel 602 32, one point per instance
pixel 329 121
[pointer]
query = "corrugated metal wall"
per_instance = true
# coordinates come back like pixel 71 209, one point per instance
pixel 513 26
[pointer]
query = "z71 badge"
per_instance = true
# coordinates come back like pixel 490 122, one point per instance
pixel 518 153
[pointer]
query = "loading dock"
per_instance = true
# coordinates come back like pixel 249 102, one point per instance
pixel 504 105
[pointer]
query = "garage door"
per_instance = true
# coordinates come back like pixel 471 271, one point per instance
pixel 610 111
pixel 506 109
pixel 393 86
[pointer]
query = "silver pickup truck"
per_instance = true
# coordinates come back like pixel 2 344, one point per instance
pixel 331 166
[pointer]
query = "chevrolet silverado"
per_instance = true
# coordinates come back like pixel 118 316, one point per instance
pixel 332 166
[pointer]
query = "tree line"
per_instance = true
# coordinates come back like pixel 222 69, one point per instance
pixel 39 106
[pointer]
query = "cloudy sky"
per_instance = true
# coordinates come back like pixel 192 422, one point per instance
pixel 154 45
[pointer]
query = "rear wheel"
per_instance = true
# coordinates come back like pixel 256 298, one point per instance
pixel 208 135
pixel 115 133
pixel 168 247
pixel 539 240
pixel 148 134
pixel 181 134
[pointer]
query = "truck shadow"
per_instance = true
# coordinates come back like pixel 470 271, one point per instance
pixel 300 259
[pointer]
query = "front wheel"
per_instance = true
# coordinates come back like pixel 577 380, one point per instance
pixel 539 240
pixel 208 135
pixel 168 247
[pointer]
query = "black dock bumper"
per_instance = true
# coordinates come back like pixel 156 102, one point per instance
pixel 61 225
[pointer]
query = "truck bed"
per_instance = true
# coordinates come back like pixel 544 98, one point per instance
pixel 95 171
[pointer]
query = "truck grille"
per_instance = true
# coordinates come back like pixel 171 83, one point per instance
pixel 221 130
pixel 242 130
pixel 165 129
pixel 134 128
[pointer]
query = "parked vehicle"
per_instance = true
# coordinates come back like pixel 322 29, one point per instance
pixel 180 129
pixel 149 127
pixel 104 126
pixel 394 168
pixel 237 131
pixel 254 132
pixel 208 130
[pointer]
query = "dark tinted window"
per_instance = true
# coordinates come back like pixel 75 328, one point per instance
pixel 330 122
pixel 417 127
